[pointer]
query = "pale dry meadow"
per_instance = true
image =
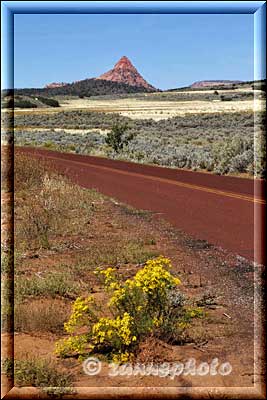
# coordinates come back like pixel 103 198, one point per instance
pixel 135 108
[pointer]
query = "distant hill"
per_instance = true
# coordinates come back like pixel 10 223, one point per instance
pixel 84 88
pixel 55 84
pixel 212 83
pixel 221 85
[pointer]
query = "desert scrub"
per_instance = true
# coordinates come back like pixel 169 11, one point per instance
pixel 137 308
pixel 45 214
pixel 28 173
pixel 40 373
pixel 43 374
pixel 52 284
pixel 79 119
pixel 189 141
pixel 46 205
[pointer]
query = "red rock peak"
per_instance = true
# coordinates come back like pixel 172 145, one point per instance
pixel 124 62
pixel 125 72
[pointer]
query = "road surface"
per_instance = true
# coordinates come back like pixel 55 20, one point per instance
pixel 228 212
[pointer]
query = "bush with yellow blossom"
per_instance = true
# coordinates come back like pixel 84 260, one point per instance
pixel 138 307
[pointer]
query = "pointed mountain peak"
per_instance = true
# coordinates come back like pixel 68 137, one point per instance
pixel 124 62
pixel 125 72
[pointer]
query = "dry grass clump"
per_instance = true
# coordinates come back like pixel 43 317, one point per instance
pixel 41 316
pixel 52 284
pixel 46 205
pixel 120 251
pixel 28 173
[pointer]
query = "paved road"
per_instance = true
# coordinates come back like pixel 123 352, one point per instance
pixel 228 212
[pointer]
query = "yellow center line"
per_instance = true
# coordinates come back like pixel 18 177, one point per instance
pixel 169 181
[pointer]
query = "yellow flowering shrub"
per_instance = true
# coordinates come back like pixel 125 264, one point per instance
pixel 122 358
pixel 72 345
pixel 193 312
pixel 139 306
pixel 109 275
pixel 81 314
pixel 154 279
pixel 145 296
pixel 116 334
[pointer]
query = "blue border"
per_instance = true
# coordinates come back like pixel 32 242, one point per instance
pixel 260 43
pixel 7 46
pixel 129 7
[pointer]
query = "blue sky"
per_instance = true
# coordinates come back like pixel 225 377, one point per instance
pixel 168 50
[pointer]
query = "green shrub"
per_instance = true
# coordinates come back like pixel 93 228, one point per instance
pixel 40 373
pixel 226 98
pixel 49 144
pixel 7 366
pixel 116 138
pixel 49 102
pixel 53 284
pixel 24 104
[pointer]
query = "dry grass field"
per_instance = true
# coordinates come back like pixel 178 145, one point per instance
pixel 157 110
pixel 154 109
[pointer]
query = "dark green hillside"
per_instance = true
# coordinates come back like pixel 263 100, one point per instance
pixel 22 101
pixel 86 87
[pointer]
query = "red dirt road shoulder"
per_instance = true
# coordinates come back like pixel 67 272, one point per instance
pixel 226 211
